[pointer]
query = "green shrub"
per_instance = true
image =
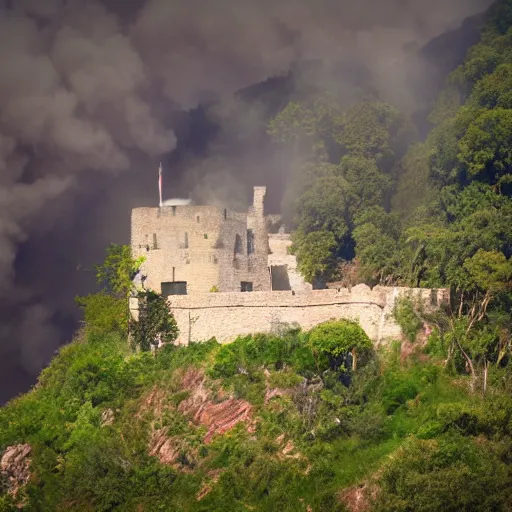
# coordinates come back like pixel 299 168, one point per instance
pixel 451 474
pixel 336 340
pixel 284 380
pixel 407 318
pixel 249 353
pixel 398 389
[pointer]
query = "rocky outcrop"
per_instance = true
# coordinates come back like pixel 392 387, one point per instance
pixel 356 499
pixel 217 417
pixel 221 417
pixel 165 448
pixel 213 478
pixel 15 467
pixel 107 417
pixel 202 410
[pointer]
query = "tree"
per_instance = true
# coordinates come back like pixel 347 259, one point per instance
pixel 116 273
pixel 486 147
pixel 413 182
pixel 314 253
pixel 107 310
pixel 377 235
pixel 104 313
pixel 494 90
pixel 370 186
pixel 337 339
pixel 367 129
pixel 326 206
pixel 323 223
pixel 155 325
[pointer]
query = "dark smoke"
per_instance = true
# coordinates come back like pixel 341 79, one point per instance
pixel 92 97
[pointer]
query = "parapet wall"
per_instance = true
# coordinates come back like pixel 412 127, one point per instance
pixel 227 315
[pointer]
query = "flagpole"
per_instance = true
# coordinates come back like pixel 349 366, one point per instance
pixel 160 183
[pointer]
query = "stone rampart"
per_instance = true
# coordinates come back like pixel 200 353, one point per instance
pixel 227 315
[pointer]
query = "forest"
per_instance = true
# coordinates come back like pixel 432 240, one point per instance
pixel 318 420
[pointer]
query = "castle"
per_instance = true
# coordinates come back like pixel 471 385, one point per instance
pixel 206 259
pixel 196 249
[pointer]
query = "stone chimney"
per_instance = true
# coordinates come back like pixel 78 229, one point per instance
pixel 258 202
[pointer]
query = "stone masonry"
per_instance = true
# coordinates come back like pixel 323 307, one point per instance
pixel 203 246
pixel 193 250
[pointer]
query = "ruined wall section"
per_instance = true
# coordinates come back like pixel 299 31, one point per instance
pixel 227 315
pixel 279 256
pixel 258 260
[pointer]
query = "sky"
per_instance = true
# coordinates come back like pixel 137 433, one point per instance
pixel 94 94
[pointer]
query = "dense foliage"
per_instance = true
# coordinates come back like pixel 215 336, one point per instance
pixel 371 204
pixel 411 431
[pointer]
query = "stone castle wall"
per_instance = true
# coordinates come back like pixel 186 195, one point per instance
pixel 196 244
pixel 227 315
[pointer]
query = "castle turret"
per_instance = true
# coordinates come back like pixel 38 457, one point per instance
pixel 258 232
pixel 258 202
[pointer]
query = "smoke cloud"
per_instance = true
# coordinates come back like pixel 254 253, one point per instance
pixel 89 94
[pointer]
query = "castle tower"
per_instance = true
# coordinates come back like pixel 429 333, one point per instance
pixel 257 228
pixel 258 202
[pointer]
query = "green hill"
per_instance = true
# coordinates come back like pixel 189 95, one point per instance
pixel 265 423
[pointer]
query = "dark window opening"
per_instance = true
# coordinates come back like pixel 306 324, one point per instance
pixel 250 241
pixel 205 236
pixel 280 279
pixel 175 288
pixel 184 245
pixel 238 244
pixel 225 214
pixel 155 241
pixel 246 286
pixel 174 210
pixel 198 219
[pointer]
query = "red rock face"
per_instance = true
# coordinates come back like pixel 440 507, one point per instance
pixel 163 447
pixel 356 499
pixel 217 417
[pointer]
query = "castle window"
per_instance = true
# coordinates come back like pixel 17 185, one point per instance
pixel 198 219
pixel 174 210
pixel 205 236
pixel 246 286
pixel 155 242
pixel 225 214
pixel 238 244
pixel 250 241
pixel 184 244
pixel 174 288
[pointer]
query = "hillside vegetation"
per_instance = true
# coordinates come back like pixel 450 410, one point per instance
pixel 320 420
pixel 270 422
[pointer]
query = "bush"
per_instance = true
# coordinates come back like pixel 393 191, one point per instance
pixel 339 341
pixel 407 318
pixel 249 353
pixel 451 474
pixel 398 389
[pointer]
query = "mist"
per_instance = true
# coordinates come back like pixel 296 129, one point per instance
pixel 93 95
